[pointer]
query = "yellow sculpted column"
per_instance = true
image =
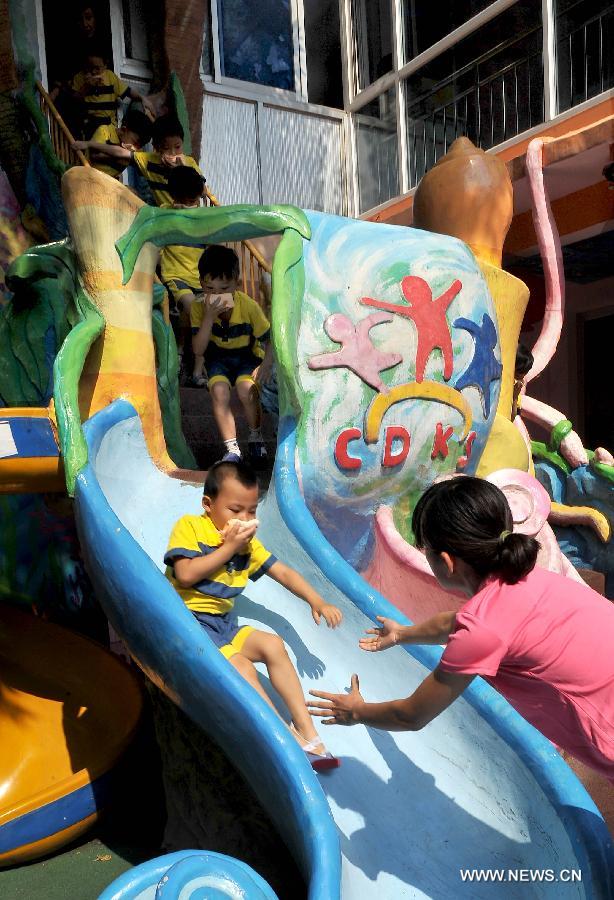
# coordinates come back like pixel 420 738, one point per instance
pixel 122 361
pixel 468 194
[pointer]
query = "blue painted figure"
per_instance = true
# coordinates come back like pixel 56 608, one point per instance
pixel 484 368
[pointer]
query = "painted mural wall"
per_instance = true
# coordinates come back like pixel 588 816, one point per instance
pixel 398 371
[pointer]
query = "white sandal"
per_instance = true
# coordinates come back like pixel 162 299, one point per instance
pixel 321 762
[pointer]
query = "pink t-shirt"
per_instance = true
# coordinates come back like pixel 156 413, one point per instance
pixel 547 645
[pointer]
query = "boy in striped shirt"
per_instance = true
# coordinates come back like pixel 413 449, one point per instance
pixel 231 330
pixel 210 559
pixel 101 89
pixel 132 134
pixel 167 139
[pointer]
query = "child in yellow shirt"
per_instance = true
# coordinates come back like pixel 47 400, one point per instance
pixel 167 139
pixel 179 266
pixel 209 560
pixel 132 134
pixel 231 330
pixel 101 89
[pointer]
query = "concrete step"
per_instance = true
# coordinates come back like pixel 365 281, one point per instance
pixel 201 431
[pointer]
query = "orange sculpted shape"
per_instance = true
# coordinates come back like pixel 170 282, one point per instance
pixel 467 194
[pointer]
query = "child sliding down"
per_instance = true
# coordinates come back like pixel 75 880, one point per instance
pixel 209 560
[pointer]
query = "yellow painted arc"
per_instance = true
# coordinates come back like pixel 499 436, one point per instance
pixel 425 390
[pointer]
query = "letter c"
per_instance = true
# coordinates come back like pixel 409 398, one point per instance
pixel 342 458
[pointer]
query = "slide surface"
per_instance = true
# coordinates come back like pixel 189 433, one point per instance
pixel 478 788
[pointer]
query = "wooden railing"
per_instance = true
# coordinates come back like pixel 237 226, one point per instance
pixel 61 138
pixel 253 263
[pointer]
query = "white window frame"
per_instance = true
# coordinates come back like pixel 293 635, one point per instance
pixel 125 66
pixel 130 69
pixel 263 91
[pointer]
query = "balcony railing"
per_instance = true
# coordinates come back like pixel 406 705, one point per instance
pixel 492 108
pixel 585 58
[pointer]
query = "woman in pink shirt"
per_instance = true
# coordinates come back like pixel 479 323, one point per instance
pixel 540 639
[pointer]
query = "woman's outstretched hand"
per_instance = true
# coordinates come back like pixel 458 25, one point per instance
pixel 387 635
pixel 339 709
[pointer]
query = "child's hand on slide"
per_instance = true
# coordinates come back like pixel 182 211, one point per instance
pixel 332 615
pixel 386 636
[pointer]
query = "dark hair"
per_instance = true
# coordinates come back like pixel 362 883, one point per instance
pixel 185 183
pixel 467 517
pixel 218 262
pixel 94 51
pixel 165 127
pixel 220 471
pixel 524 361
pixel 136 121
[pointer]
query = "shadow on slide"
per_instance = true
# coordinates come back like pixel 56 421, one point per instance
pixel 477 789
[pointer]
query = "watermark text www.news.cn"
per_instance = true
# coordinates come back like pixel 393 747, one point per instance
pixel 521 875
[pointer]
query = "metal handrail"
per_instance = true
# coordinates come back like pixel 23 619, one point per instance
pixel 61 137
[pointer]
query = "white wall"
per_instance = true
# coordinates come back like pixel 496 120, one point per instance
pixel 261 152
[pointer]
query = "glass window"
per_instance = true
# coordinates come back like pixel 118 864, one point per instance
pixel 136 29
pixel 376 148
pixel 585 37
pixel 426 23
pixel 207 57
pixel 323 49
pixel 372 22
pixel 256 41
pixel 489 87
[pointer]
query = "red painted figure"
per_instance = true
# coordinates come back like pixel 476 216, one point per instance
pixel 429 317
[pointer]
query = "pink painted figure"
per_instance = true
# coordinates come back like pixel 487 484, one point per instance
pixel 358 353
pixel 429 317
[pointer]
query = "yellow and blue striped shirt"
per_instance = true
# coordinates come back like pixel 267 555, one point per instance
pixel 194 536
pixel 247 327
pixel 152 168
pixel 110 165
pixel 101 99
pixel 179 263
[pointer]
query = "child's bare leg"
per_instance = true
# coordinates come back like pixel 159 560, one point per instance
pixel 271 650
pixel 220 399
pixel 246 668
pixel 199 364
pixel 247 392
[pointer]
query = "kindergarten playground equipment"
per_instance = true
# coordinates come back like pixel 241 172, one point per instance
pixel 395 350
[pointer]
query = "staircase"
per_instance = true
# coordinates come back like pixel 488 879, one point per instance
pixel 203 437
pixel 197 417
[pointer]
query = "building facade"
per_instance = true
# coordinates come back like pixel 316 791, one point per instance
pixel 343 105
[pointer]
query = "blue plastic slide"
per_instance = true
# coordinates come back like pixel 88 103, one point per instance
pixel 406 815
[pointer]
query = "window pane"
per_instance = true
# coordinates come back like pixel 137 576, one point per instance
pixel 256 42
pixel 426 23
pixel 136 29
pixel 585 37
pixel 323 49
pixel 207 57
pixel 376 147
pixel 495 91
pixel 372 22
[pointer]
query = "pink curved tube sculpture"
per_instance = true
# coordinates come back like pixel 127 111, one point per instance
pixel 550 250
